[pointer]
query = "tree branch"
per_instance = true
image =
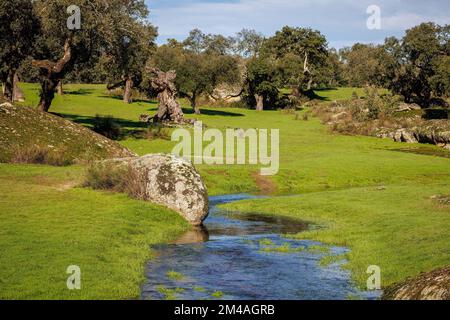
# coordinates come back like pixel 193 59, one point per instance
pixel 55 67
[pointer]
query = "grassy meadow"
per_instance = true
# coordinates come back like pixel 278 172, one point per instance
pixel 364 193
pixel 48 224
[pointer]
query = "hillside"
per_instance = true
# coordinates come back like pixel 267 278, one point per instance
pixel 24 128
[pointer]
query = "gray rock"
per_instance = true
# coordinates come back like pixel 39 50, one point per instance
pixel 339 115
pixel 402 135
pixel 442 138
pixel 408 107
pixel 6 105
pixel 434 285
pixel 174 183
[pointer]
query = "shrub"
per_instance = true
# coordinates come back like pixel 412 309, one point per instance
pixel 107 126
pixel 157 132
pixel 288 111
pixel 237 105
pixel 40 155
pixel 373 103
pixel 115 177
pixel 304 116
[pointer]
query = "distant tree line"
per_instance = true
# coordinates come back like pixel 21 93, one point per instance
pixel 116 44
pixel 416 67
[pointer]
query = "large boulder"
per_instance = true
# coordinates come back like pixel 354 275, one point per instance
pixel 174 183
pixel 403 135
pixel 434 285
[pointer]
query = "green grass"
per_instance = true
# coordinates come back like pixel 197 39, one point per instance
pixel 311 158
pixel 170 294
pixel 176 276
pixel 199 289
pixel 218 294
pixel 331 259
pixel 47 225
pixel 397 227
pixel 24 130
pixel 284 248
pixel 336 94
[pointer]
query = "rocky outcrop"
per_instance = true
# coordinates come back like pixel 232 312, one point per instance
pixel 174 183
pixel 434 285
pixel 432 132
pixel 227 93
pixel 408 107
pixel 403 135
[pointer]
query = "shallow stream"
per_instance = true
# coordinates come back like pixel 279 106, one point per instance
pixel 246 257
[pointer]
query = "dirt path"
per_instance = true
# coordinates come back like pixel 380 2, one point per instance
pixel 265 184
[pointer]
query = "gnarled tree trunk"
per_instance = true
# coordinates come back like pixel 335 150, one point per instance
pixel 128 90
pixel 8 86
pixel 194 105
pixel 169 110
pixel 59 88
pixel 17 92
pixel 52 73
pixel 307 73
pixel 259 102
pixel 296 92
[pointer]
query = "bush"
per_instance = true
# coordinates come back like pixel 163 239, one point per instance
pixel 115 177
pixel 107 126
pixel 157 132
pixel 374 106
pixel 373 103
pixel 40 155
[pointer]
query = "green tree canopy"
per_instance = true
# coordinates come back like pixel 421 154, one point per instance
pixel 418 64
pixel 113 30
pixel 301 52
pixel 261 87
pixel 18 29
pixel 202 64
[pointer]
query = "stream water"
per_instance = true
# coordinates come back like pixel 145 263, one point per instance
pixel 245 257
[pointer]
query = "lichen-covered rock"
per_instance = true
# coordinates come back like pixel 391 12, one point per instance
pixel 404 135
pixel 434 285
pixel 408 107
pixel 173 182
pixel 339 115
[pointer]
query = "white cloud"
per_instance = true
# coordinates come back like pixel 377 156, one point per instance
pixel 339 20
pixel 403 21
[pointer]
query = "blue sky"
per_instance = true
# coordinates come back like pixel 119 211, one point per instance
pixel 343 22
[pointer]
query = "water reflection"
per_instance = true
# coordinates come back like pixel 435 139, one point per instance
pixel 196 235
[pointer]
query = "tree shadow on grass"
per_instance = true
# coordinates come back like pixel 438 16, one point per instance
pixel 311 94
pixel 213 112
pixel 78 92
pixel 117 97
pixel 130 128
